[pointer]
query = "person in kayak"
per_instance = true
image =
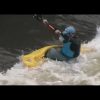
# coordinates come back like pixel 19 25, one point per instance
pixel 71 45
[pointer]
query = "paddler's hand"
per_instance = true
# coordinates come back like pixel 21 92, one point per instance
pixel 58 32
pixel 45 21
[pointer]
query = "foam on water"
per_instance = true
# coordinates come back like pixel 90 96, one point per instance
pixel 85 70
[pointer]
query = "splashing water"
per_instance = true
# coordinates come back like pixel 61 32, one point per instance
pixel 84 71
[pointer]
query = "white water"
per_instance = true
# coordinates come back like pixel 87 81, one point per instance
pixel 84 71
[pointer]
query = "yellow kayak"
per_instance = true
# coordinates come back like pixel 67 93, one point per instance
pixel 36 57
pixel 33 59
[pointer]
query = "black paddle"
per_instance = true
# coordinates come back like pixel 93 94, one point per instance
pixel 44 21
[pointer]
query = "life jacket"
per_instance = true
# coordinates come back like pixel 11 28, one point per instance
pixel 66 50
pixel 71 47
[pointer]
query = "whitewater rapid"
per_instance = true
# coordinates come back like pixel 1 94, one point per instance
pixel 83 71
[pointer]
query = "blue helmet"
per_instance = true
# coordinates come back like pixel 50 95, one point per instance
pixel 69 31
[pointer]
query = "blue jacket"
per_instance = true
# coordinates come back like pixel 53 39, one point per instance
pixel 71 48
pixel 66 50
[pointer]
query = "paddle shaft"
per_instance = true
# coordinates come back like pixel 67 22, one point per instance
pixel 40 19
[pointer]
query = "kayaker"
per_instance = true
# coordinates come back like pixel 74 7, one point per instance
pixel 71 44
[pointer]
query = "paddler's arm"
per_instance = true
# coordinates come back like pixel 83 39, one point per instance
pixel 56 31
pixel 61 37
